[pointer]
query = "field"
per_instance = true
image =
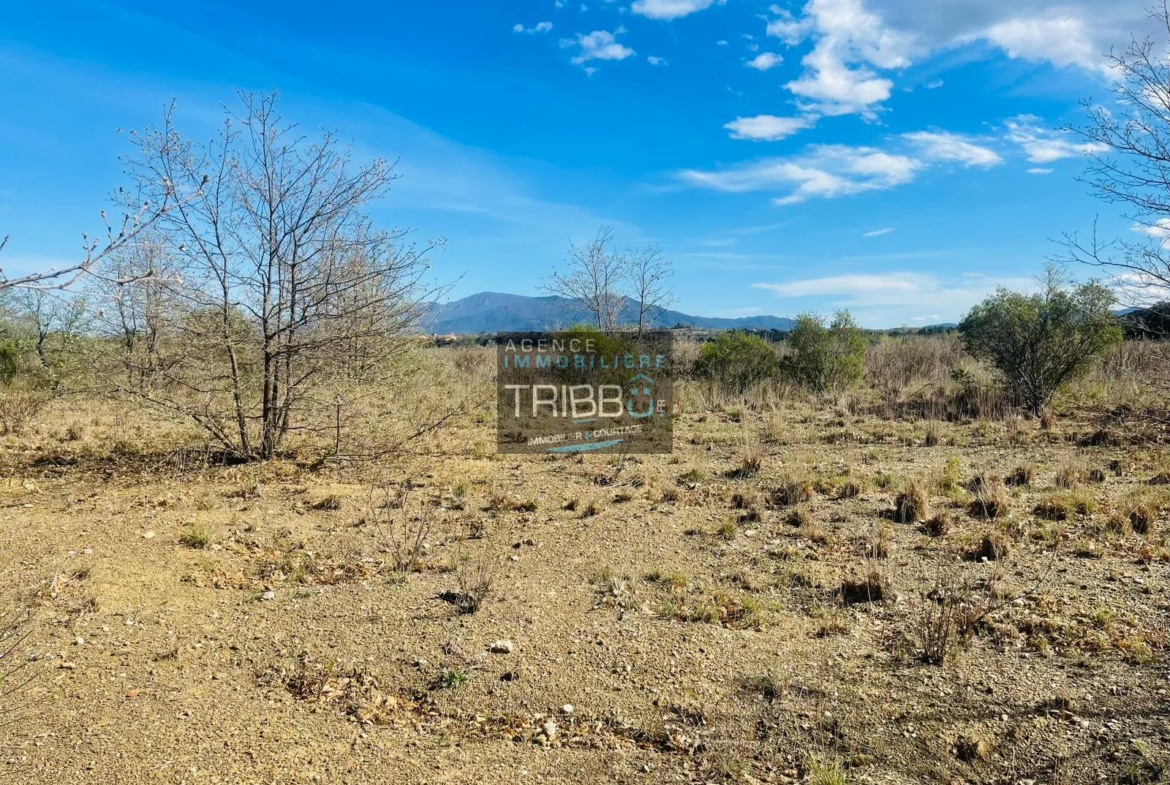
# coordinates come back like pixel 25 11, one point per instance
pixel 858 588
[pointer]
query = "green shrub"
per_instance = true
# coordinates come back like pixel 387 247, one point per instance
pixel 9 361
pixel 737 360
pixel 1038 342
pixel 826 358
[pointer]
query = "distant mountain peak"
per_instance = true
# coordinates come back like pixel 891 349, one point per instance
pixel 501 312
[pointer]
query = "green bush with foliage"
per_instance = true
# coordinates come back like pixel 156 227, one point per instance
pixel 9 361
pixel 1039 342
pixel 826 358
pixel 737 360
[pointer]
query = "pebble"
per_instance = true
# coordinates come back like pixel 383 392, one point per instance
pixel 268 595
pixel 79 641
pixel 148 535
pixel 567 708
pixel 550 730
pixel 501 647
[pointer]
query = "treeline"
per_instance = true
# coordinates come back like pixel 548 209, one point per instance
pixel 1036 344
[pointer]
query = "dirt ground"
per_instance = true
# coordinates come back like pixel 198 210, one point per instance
pixel 676 618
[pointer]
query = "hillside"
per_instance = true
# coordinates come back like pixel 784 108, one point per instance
pixel 495 311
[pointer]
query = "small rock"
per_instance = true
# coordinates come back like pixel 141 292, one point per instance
pixel 79 641
pixel 148 535
pixel 567 708
pixel 87 551
pixel 501 647
pixel 68 666
pixel 550 730
pixel 268 595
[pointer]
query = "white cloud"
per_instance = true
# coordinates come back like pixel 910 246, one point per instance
pixel 766 127
pixel 826 171
pixel 1061 40
pixel 837 78
pixel 669 9
pixel 1158 230
pixel 900 289
pixel 539 27
pixel 1044 146
pixel 598 45
pixel 1039 170
pixel 944 146
pixel 857 45
pixel 878 232
pixel 765 60
pixel 934 84
pixel 788 28
pixel 652 60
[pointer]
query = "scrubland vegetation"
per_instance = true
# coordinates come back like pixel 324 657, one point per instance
pixel 867 558
pixel 255 527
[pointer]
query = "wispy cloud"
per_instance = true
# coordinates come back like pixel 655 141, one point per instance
pixel 764 60
pixel 945 146
pixel 825 171
pixel 766 127
pixel 670 9
pixel 1044 146
pixel 539 27
pixel 598 45
pixel 878 232
pixel 900 289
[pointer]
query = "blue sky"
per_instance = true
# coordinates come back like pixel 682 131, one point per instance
pixel 895 157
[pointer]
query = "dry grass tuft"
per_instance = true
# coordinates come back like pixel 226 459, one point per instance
pixel 791 492
pixel 911 505
pixel 991 500
pixel 995 545
pixel 938 525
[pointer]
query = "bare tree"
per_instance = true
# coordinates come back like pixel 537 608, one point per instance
pixel 1129 148
pixel 649 274
pixel 132 303
pixel 135 220
pixel 53 321
pixel 594 276
pixel 279 271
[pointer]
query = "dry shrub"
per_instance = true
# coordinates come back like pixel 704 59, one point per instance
pixel 751 460
pixel 911 505
pixel 879 542
pixel 18 407
pixel 991 500
pixel 938 525
pixel 870 588
pixel 475 584
pixel 932 437
pixel 1141 508
pixel 946 619
pixel 1021 477
pixel 1069 476
pixel 791 492
pixel 849 490
pixel 403 533
pixel 995 545
pixel 895 364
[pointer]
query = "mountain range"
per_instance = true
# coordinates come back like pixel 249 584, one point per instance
pixel 497 312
